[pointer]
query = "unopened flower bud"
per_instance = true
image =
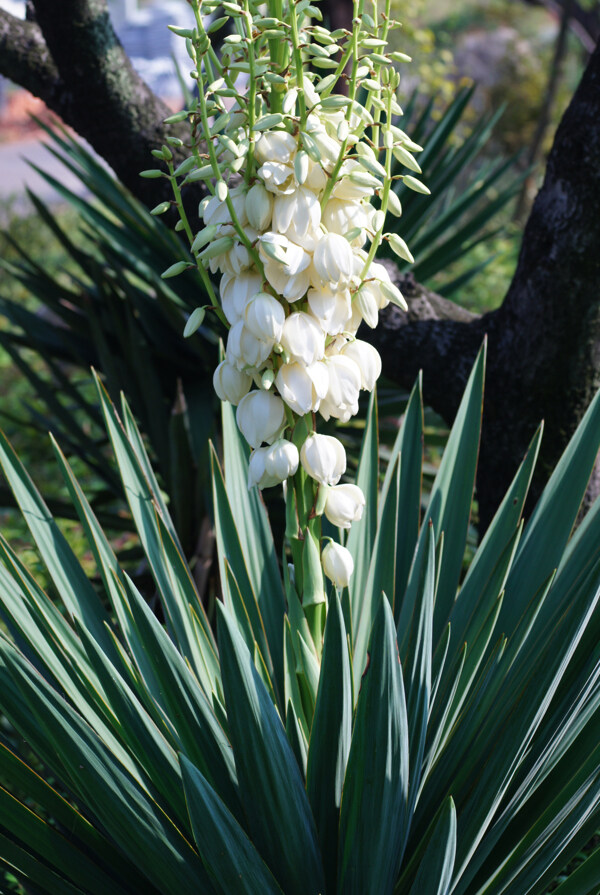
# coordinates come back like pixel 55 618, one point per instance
pixel 259 207
pixel 338 564
pixel 323 457
pixel 344 504
pixel 260 417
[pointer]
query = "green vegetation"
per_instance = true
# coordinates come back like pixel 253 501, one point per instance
pixel 487 755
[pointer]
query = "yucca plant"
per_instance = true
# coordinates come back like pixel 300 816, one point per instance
pixel 444 741
pixel 405 728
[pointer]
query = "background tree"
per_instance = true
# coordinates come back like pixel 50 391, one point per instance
pixel 544 340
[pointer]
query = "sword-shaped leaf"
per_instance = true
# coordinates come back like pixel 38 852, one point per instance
pixel 271 787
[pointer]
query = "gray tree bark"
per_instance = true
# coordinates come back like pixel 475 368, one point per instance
pixel 544 341
pixel 71 58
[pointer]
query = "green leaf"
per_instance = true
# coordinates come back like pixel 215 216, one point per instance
pixel 435 871
pixel 373 818
pixel 154 527
pixel 15 858
pixel 417 666
pixel 241 600
pixel 64 855
pixel 409 443
pixel 361 536
pixel 450 502
pixel 231 859
pixel 382 568
pixel 184 705
pixel 124 809
pixel 585 879
pixel 547 532
pixel 71 582
pixel 273 794
pixel 330 738
pixel 256 539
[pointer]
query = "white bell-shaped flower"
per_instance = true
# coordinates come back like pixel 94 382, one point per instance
pixel 259 207
pixel 278 178
pixel 288 271
pixel 332 261
pixel 328 146
pixel 341 217
pixel 301 387
pixel 260 417
pixel 317 178
pixel 236 291
pixel 244 349
pixel 237 259
pixel 282 459
pixel 324 459
pixel 299 211
pixel 367 359
pixel 332 309
pixel 257 471
pixel 348 189
pixel 338 564
pixel 230 383
pixel 217 212
pixel 275 146
pixel 264 317
pixel 341 401
pixel 344 505
pixel 269 466
pixel 303 338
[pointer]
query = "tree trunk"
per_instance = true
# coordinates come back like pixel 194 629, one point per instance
pixel 544 341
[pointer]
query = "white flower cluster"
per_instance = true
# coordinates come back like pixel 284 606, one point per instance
pixel 290 226
pixel 293 332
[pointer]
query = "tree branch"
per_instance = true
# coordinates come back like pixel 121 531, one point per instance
pixel 72 59
pixel 26 60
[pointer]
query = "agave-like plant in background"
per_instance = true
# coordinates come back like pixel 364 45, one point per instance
pixel 444 741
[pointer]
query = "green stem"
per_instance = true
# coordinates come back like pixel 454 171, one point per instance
pixel 387 185
pixel 188 231
pixel 251 95
pixel 297 54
